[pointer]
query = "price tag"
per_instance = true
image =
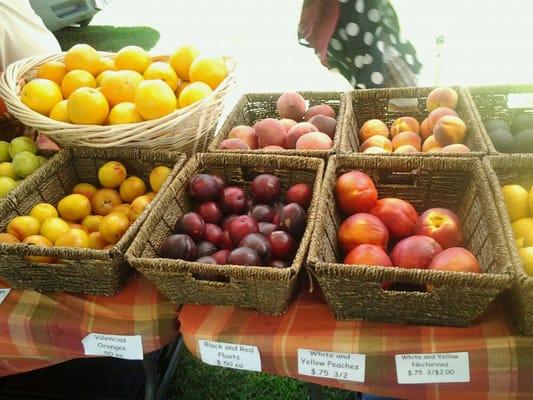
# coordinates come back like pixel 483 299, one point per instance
pixel 3 294
pixel 229 355
pixel 118 346
pixel 433 368
pixel 326 364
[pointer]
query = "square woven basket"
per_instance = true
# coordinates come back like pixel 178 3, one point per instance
pixel 503 170
pixel 265 289
pixel 490 102
pixel 253 107
pixel 99 272
pixel 355 291
pixel 392 103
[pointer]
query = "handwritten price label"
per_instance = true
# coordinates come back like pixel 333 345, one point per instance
pixel 326 364
pixel 229 355
pixel 433 368
pixel 3 294
pixel 117 346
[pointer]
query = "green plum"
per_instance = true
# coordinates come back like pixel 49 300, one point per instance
pixel 20 144
pixel 6 185
pixel 4 151
pixel 25 163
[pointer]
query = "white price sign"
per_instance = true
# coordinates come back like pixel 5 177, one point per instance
pixel 3 294
pixel 229 355
pixel 433 367
pixel 118 346
pixel 326 364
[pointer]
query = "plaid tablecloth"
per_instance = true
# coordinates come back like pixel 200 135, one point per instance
pixel 501 362
pixel 38 330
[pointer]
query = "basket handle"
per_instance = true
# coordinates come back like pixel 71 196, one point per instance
pixel 399 178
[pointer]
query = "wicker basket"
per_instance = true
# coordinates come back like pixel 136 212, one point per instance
pixel 492 102
pixel 392 103
pixel 515 169
pixel 186 130
pixel 253 107
pixel 355 292
pixel 265 289
pixel 100 272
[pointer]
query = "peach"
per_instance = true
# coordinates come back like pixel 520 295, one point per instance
pixel 23 226
pixel 373 127
pixel 132 188
pixel 455 259
pixel 85 189
pixel 429 144
pixel 425 130
pixel 324 124
pixel 398 215
pixel 437 114
pixel 442 225
pixel 406 149
pixel 270 132
pixel 104 200
pixel 407 137
pixel 39 240
pixel 355 192
pixel 404 124
pixel 437 149
pixel 415 252
pixel 368 254
pixel 92 222
pixel 455 148
pixel 96 241
pixel 291 105
pixel 321 109
pixel 314 141
pixel 449 130
pixel 246 134
pixel 297 131
pixel 273 147
pixel 362 228
pixel 8 238
pixel 376 150
pixel 442 97
pixel 233 144
pixel 377 141
pixel 287 123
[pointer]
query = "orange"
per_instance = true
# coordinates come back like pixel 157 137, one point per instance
pixel 132 188
pixel 83 56
pixel 210 70
pixel 112 174
pixel 194 92
pixel 104 200
pixel 96 241
pixel 124 208
pixel 52 70
pixel 120 86
pixel 163 71
pixel 107 64
pixel 87 106
pixel 124 113
pixel 41 95
pixel 182 85
pixel 133 58
pixel 52 228
pixel 92 222
pixel 39 240
pixel 23 226
pixel 113 226
pixel 102 75
pixel 75 80
pixel 59 112
pixel 73 238
pixel 74 207
pixel 85 189
pixel 43 211
pixel 182 59
pixel 154 99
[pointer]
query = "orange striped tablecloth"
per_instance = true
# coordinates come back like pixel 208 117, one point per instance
pixel 501 362
pixel 38 330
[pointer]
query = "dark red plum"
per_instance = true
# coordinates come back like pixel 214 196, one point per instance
pixel 213 234
pixel 278 264
pixel 324 124
pixel 192 224
pixel 262 213
pixel 226 243
pixel 283 245
pixel 244 256
pixel 250 204
pixel 221 256
pixel 227 220
pixel 266 228
pixel 266 188
pixel 178 247
pixel 203 187
pixel 233 200
pixel 210 212
pixel 301 194
pixel 259 243
pixel 240 227
pixel 220 183
pixel 206 260
pixel 205 248
pixel 293 219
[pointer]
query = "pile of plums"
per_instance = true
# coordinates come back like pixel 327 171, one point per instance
pixel 229 227
pixel 298 128
pixel 516 137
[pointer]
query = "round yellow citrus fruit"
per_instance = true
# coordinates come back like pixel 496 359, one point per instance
pixel 134 58
pixel 112 174
pixel 516 201
pixel 124 208
pixel 113 226
pixel 132 188
pixel 43 211
pixel 52 228
pixel 92 222
pixel 52 70
pixel 107 64
pixel 87 106
pixel 519 243
pixel 120 86
pixel 73 238
pixel 154 99
pixel 158 176
pixel 83 56
pixel 102 75
pixel 23 226
pixel 85 189
pixel 39 240
pixel 521 227
pixel 530 200
pixel 74 207
pixel 182 59
pixel 182 85
pixel 59 112
pixel 96 241
pixel 41 95
pixel 194 92
pixel 75 80
pixel 210 70
pixel 124 113
pixel 163 71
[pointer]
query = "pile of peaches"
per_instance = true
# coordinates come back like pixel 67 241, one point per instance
pixel 389 232
pixel 299 128
pixel 442 131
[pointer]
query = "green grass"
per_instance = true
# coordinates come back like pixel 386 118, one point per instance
pixel 108 38
pixel 198 381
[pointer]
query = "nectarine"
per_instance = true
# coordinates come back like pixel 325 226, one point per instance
pixel 455 259
pixel 362 228
pixel 373 127
pixel 442 225
pixel 399 216
pixel 449 130
pixel 407 137
pixel 404 124
pixel 368 254
pixel 415 252
pixel 377 141
pixel 355 192
pixel 246 134
pixel 437 114
pixel 442 97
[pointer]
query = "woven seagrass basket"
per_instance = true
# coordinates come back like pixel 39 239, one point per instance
pixel 100 272
pixel 355 291
pixel 490 102
pixel 187 130
pixel 505 170
pixel 265 289
pixel 392 103
pixel 253 107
